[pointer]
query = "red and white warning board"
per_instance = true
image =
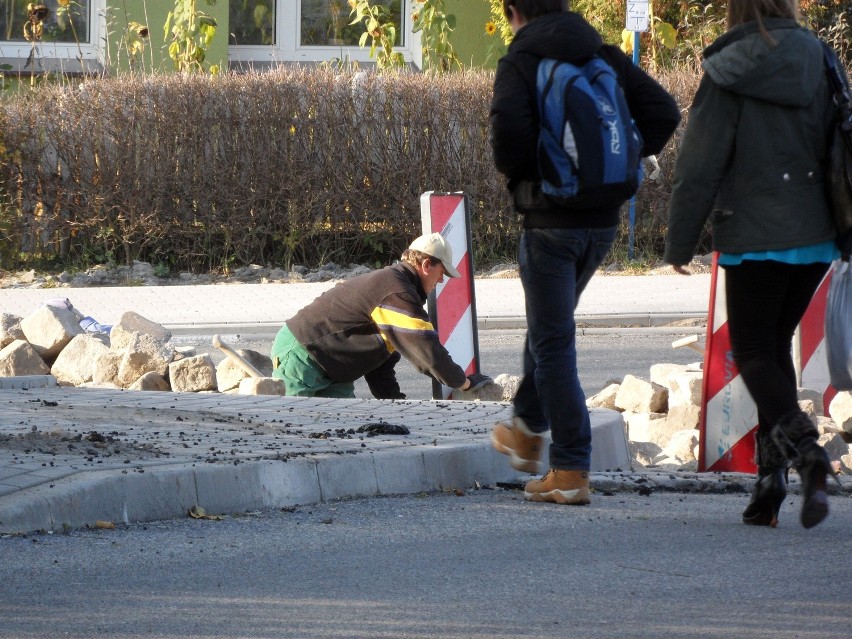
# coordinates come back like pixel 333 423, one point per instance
pixel 728 413
pixel 809 347
pixel 452 306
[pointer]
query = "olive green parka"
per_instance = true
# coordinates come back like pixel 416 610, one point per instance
pixel 754 150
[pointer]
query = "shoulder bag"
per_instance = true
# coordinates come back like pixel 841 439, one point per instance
pixel 840 158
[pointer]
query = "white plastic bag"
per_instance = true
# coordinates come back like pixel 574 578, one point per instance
pixel 838 326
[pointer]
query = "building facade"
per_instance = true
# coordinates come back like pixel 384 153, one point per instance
pixel 76 36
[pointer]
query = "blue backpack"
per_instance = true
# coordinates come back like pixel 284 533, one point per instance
pixel 589 149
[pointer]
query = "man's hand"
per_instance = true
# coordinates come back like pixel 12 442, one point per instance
pixel 678 268
pixel 476 381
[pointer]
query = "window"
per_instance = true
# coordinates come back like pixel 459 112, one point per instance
pixel 51 34
pixel 251 22
pixel 308 31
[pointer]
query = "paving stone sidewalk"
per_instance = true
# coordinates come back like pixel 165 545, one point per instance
pixel 73 457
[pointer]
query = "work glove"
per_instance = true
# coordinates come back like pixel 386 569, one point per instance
pixel 477 381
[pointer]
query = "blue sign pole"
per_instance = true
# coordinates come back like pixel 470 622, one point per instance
pixel 631 220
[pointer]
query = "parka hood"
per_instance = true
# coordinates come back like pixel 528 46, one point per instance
pixel 562 36
pixel 787 73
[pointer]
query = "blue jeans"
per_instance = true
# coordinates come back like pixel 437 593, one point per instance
pixel 555 267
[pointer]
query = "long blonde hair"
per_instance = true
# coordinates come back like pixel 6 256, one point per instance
pixel 742 11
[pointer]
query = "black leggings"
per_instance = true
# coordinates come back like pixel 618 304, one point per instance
pixel 766 301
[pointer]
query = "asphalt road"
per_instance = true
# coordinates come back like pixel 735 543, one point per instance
pixel 603 355
pixel 483 564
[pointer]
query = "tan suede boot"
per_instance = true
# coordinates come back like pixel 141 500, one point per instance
pixel 518 442
pixel 560 487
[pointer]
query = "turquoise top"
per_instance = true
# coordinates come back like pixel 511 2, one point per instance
pixel 822 252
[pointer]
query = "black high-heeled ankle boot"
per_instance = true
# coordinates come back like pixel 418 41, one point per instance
pixel 796 435
pixel 770 489
pixel 813 469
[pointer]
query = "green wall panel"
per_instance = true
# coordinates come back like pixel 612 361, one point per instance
pixel 120 14
pixel 469 39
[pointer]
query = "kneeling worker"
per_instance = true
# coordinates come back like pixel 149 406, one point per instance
pixel 360 327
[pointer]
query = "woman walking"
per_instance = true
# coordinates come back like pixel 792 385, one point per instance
pixel 752 160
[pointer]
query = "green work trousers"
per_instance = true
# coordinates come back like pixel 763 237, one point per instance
pixel 302 376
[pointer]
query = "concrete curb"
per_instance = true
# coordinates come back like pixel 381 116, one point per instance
pixel 170 491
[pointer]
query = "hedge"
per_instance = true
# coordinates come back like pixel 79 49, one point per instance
pixel 290 166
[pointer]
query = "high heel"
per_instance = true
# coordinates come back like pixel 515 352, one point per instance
pixel 769 493
pixel 796 435
pixel 770 489
pixel 814 469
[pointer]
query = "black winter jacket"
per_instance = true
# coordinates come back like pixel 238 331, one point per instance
pixel 514 109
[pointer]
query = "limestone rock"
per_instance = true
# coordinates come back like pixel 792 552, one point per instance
pixel 846 461
pixel 121 333
pixel 106 368
pixel 683 417
pixel 492 392
pixel 10 329
pixel 640 396
pixel 150 381
pixel 21 358
pixel 663 373
pixel 184 351
pixel 840 410
pixel 644 453
pixel 826 425
pixel 49 329
pixel 75 364
pixel 144 353
pixel 808 408
pixel 604 399
pixel 834 445
pixel 814 396
pixel 94 384
pixel 685 389
pixel 193 374
pixel 680 449
pixel 229 374
pixel 510 384
pixel 659 428
pixel 262 386
pixel 641 427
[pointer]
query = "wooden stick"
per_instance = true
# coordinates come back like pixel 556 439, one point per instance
pixel 238 359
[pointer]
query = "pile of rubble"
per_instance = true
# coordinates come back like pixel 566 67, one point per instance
pixel 135 353
pixel 662 414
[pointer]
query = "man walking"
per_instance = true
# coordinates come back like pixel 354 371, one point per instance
pixel 562 244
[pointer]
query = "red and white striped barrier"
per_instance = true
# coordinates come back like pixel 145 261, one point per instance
pixel 728 413
pixel 452 306
pixel 809 347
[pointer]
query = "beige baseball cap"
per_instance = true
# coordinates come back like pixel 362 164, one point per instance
pixel 436 246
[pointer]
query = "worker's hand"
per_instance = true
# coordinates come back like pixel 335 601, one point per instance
pixel 476 381
pixel 678 268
